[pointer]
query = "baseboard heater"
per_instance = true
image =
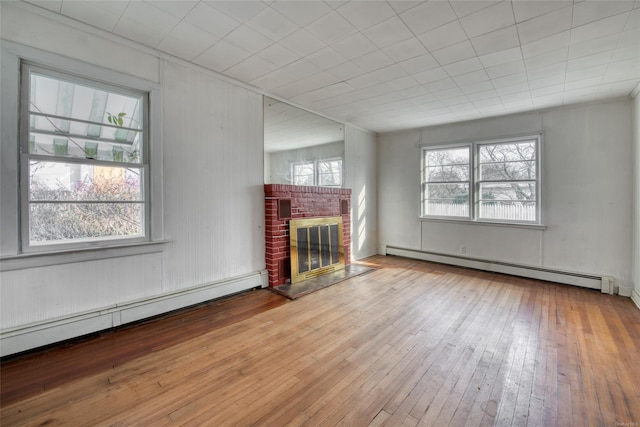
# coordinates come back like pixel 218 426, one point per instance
pixel 605 284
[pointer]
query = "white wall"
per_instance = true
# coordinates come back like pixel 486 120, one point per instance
pixel 212 182
pixel 636 212
pixel 360 175
pixel 587 192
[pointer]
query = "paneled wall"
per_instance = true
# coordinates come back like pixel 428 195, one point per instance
pixel 586 182
pixel 636 210
pixel 212 193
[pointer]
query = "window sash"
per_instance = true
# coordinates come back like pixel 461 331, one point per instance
pixel 116 163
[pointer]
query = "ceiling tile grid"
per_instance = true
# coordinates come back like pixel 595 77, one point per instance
pixel 389 65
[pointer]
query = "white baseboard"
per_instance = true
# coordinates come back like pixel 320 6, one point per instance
pixel 635 297
pixel 15 340
pixel 569 278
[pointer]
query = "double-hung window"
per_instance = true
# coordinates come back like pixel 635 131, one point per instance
pixel 325 173
pixel 84 161
pixel 496 181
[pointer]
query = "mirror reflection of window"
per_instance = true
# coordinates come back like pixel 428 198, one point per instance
pixel 300 147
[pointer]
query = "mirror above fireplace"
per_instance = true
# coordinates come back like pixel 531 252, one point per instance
pixel 300 147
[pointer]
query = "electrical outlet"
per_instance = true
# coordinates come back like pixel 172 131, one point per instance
pixel 463 249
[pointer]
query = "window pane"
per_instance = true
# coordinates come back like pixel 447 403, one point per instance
pixel 64 222
pixel 446 199
pixel 449 156
pixel 303 173
pixel 525 191
pixel 446 173
pixel 330 173
pixel 510 152
pixel 83 182
pixel 508 210
pixel 508 171
pixel 71 119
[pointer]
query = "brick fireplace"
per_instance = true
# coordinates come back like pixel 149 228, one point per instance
pixel 286 202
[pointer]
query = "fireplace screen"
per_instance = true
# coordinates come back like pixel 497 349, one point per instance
pixel 316 247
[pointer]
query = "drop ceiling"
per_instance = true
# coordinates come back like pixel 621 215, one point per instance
pixel 390 65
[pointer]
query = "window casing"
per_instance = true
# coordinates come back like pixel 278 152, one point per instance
pixel 487 181
pixel 323 173
pixel 84 162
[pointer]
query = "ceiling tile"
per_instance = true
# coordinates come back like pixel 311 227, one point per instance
pixel 440 85
pixel 278 54
pixel 601 28
pixel 302 12
pixel 478 86
pixel 546 82
pixel 221 56
pixel 363 81
pixel 463 67
pixel 419 63
pixel 346 71
pixel 366 14
pixel 187 41
pixel 593 46
pixel 546 44
pixel 302 42
pixel 623 70
pixel 502 57
pixel 548 71
pixel 553 57
pixel 454 53
pixel 101 14
pixel 505 69
pixel 585 73
pixel 546 25
pixel 373 61
pixel 54 5
pixel 248 39
pixel 549 90
pixel 525 10
pixel 270 23
pixel 471 78
pixel 241 11
pixel 496 41
pixel 589 11
pixel 302 68
pixel 145 24
pixel 401 5
pixel 428 16
pixel 479 96
pixel 404 50
pixel 402 83
pixel 275 79
pixel 354 46
pixel 178 9
pixel 443 36
pixel 467 7
pixel 489 19
pixel 634 20
pixel 211 20
pixel 250 69
pixel 388 32
pixel 590 61
pixel 430 76
pixel 326 58
pixel 331 28
pixel 510 80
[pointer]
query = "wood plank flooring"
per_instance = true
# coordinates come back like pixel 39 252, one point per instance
pixel 412 343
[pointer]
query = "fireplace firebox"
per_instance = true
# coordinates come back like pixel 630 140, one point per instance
pixel 317 247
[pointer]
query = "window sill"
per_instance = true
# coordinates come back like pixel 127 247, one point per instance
pixel 487 223
pixel 43 259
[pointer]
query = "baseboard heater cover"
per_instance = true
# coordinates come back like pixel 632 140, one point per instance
pixel 50 331
pixel 569 278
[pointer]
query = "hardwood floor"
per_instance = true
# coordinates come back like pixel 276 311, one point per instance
pixel 412 343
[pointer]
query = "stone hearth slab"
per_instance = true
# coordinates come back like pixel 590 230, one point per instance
pixel 297 290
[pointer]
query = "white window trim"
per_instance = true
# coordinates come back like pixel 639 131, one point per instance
pixel 474 184
pixel 10 246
